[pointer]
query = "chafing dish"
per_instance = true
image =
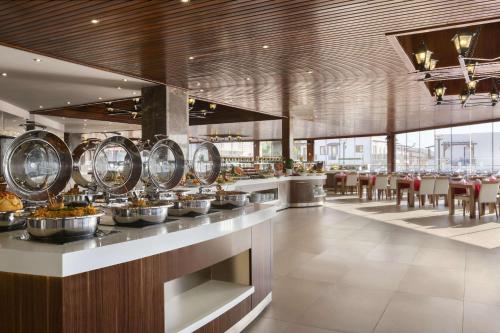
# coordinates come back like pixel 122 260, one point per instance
pixel 11 219
pixel 206 163
pixel 117 165
pixel 166 164
pixel 235 198
pixel 37 163
pixel 153 214
pixel 62 228
pixel 199 204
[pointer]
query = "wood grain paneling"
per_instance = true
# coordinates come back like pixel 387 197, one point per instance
pixel 261 255
pixel 331 58
pixel 228 319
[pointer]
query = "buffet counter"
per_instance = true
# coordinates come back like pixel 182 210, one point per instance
pixel 160 278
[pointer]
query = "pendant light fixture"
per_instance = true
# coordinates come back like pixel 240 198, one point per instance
pixel 494 96
pixel 439 91
pixel 471 87
pixel 463 41
pixel 423 57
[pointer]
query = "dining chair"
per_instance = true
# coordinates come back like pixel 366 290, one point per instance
pixel 441 187
pixel 380 185
pixel 426 189
pixel 488 194
pixel 392 187
pixel 351 182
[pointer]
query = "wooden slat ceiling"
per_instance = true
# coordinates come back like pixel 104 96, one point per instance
pixel 358 84
pixel 223 114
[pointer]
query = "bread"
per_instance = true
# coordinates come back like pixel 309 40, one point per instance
pixel 9 202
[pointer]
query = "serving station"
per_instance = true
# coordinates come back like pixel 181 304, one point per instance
pixel 126 249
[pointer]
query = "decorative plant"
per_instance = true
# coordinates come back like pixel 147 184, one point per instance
pixel 289 163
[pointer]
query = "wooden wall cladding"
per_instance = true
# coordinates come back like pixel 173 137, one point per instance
pixel 128 297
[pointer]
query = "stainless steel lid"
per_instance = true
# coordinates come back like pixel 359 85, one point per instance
pixel 166 164
pixel 117 165
pixel 37 163
pixel 83 163
pixel 206 163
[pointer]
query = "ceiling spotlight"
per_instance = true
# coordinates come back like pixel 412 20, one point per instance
pixel 37 60
pixel 4 74
pixel 248 79
pixel 134 92
pixel 119 88
pixel 439 91
pixel 184 1
pixel 462 41
pixel 191 58
pixel 99 98
pixel 494 96
pixel 68 102
pixel 40 106
pixel 309 72
pixel 94 21
pixel 125 80
pixel 201 90
pixel 265 46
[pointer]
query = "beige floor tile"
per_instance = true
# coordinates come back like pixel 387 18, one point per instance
pixel 481 318
pixel 429 281
pixel 440 258
pixel 323 268
pixel 295 328
pixel 404 254
pixel 409 313
pixel 375 275
pixel 291 297
pixel 347 309
pixel 482 287
pixel 288 259
pixel 348 249
pixel 266 325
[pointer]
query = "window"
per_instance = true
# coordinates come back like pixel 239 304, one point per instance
pixel 270 148
pixel 235 149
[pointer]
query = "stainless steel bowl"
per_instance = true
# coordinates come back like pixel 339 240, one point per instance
pixel 197 206
pixel 235 198
pixel 78 198
pixel 60 228
pixel 11 219
pixel 152 214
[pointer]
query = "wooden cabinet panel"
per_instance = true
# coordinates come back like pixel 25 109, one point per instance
pixel 261 255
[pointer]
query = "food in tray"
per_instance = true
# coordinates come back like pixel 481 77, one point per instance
pixel 224 178
pixel 143 203
pixel 9 202
pixel 191 197
pixel 190 179
pixel 56 209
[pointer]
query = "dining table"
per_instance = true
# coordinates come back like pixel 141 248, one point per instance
pixel 339 182
pixel 409 184
pixel 468 188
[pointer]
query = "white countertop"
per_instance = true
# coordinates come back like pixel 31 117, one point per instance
pixel 28 257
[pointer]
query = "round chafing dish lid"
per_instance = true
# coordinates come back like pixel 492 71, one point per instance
pixel 166 164
pixel 83 162
pixel 206 163
pixel 37 163
pixel 117 165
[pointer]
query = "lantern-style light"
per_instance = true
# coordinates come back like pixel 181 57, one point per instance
pixel 494 96
pixel 471 69
pixel 439 91
pixel 212 106
pixel 471 86
pixel 432 65
pixel 423 56
pixel 462 41
pixel 191 101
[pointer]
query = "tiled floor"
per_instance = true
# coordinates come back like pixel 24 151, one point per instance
pixel 340 272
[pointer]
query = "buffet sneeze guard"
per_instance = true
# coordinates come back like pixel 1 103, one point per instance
pixel 117 165
pixel 36 164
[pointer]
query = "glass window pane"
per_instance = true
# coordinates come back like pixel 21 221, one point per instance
pixel 443 151
pixel 481 137
pixel 400 154
pixel 460 148
pixel 427 151
pixel 378 157
pixel 496 147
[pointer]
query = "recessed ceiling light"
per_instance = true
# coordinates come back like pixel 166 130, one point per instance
pixel 94 21
pixel 134 93
pixel 99 98
pixel 198 84
pixel 85 120
pixel 248 79
pixel 125 80
pixel 265 46
pixel 37 60
pixel 40 107
pixel 201 90
pixel 68 102
pixel 191 58
pixel 310 72
pixel 184 1
pixel 4 74
pixel 119 88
